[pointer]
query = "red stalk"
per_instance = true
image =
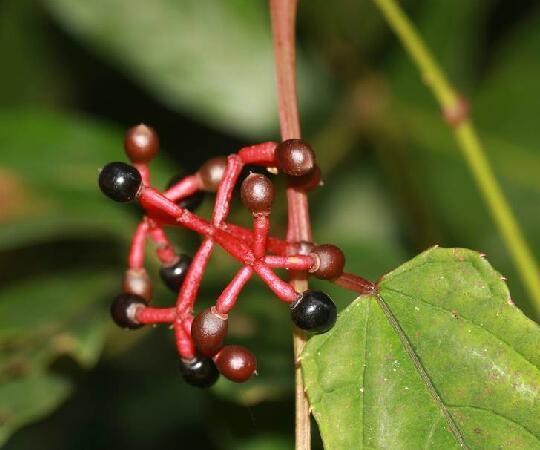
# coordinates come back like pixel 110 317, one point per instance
pixel 184 188
pixel 137 248
pixel 224 193
pixel 190 286
pixel 164 249
pixel 259 154
pixel 283 17
pixel 355 283
pixel 156 315
pixel 274 245
pixel 228 297
pixel 284 291
pixel 261 229
pixel 296 262
pixel 144 170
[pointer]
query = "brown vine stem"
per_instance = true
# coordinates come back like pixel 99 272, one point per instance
pixel 283 18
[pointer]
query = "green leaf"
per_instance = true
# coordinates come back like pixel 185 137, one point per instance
pixel 42 318
pixel 49 165
pixel 504 104
pixel 460 19
pixel 212 59
pixel 27 399
pixel 361 223
pixel 31 71
pixel 439 357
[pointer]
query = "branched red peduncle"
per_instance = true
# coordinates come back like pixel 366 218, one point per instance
pixel 200 339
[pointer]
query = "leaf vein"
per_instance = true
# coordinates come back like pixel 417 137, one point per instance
pixel 472 322
pixel 534 435
pixel 431 432
pixel 421 370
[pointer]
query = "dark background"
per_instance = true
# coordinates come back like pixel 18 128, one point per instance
pixel 74 74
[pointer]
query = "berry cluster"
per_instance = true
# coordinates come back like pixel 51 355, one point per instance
pixel 200 339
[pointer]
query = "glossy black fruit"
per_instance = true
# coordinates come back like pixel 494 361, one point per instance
pixel 123 309
pixel 199 371
pixel 314 312
pixel 173 274
pixel 120 181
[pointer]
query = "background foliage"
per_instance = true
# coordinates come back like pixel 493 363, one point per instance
pixel 75 74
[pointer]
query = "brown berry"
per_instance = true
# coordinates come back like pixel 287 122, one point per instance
pixel 236 363
pixel 141 144
pixel 136 281
pixel 211 173
pixel 257 193
pixel 330 261
pixel 208 331
pixel 307 182
pixel 295 157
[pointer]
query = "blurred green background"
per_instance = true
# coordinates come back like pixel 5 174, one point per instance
pixel 76 73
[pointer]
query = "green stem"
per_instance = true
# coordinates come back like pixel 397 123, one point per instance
pixel 470 145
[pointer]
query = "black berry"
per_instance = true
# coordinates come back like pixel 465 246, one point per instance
pixel 191 202
pixel 124 308
pixel 199 371
pixel 120 181
pixel 314 312
pixel 173 274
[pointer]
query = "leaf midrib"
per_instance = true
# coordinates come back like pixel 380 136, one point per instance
pixel 422 372
pixel 364 390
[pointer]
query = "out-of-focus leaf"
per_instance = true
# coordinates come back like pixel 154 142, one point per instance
pixel 351 211
pixel 31 71
pixel 441 355
pixel 451 30
pixel 504 106
pixel 212 59
pixel 42 318
pixel 333 29
pixel 49 166
pixel 27 399
pixel 503 109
